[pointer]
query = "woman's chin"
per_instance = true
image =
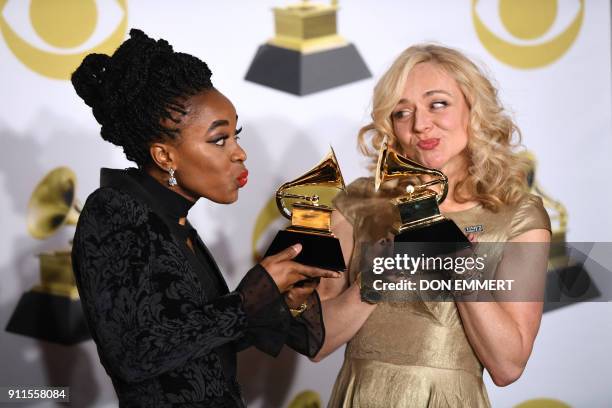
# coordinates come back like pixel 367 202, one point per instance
pixel 433 163
pixel 428 159
pixel 229 198
pixel 232 198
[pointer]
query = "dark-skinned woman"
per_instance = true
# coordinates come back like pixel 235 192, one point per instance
pixel 166 326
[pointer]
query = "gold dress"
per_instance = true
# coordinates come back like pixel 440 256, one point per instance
pixel 416 354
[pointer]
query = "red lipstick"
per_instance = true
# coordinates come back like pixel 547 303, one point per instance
pixel 428 144
pixel 243 178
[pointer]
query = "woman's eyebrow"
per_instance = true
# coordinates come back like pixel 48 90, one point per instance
pixel 426 94
pixel 217 123
pixel 435 91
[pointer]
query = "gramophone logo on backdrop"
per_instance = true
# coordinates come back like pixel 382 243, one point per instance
pixel 51 37
pixel 526 33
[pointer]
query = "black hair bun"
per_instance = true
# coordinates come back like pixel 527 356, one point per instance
pixel 89 80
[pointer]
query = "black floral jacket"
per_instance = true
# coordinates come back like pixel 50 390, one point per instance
pixel 163 335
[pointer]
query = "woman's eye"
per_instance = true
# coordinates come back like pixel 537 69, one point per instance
pixel 439 104
pixel 219 141
pixel 403 114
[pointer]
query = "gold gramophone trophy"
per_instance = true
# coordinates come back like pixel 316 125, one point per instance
pixel 307 202
pixel 420 219
pixel 306 54
pixel 51 310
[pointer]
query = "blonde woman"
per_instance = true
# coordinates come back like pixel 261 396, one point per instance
pixel 437 107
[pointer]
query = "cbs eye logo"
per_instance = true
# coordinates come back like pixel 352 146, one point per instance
pixel 527 33
pixel 51 37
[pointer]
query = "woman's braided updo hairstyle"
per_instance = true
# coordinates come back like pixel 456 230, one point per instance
pixel 139 90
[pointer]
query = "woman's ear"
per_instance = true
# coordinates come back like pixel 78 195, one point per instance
pixel 163 155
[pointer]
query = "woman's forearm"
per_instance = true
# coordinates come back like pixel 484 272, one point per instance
pixel 343 317
pixel 501 343
pixel 502 333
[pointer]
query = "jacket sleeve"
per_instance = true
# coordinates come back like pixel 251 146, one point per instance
pixel 270 322
pixel 144 307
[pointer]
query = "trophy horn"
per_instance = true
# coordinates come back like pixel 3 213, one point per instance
pixel 53 203
pixel 391 165
pixel 323 176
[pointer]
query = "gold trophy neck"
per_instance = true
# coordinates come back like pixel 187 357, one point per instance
pixel 423 222
pixel 415 197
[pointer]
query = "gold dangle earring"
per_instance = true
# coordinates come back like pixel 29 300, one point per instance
pixel 172 180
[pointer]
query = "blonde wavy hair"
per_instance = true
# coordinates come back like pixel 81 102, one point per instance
pixel 496 173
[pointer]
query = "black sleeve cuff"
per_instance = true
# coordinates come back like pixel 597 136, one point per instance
pixel 307 331
pixel 268 317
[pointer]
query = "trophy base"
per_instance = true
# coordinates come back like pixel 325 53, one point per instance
pixel 568 285
pixel 305 73
pixel 438 238
pixel 321 251
pixel 57 319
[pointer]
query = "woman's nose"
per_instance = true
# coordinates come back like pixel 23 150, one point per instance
pixel 422 121
pixel 239 154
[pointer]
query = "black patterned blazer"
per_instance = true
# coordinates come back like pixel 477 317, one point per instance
pixel 166 327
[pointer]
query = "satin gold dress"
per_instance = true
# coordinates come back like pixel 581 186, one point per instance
pixel 416 354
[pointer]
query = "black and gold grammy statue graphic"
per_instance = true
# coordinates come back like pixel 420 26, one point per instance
pixel 568 280
pixel 51 310
pixel 306 54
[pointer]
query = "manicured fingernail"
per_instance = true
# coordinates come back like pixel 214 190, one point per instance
pixel 297 248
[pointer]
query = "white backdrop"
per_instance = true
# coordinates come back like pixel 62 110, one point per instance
pixel 563 108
